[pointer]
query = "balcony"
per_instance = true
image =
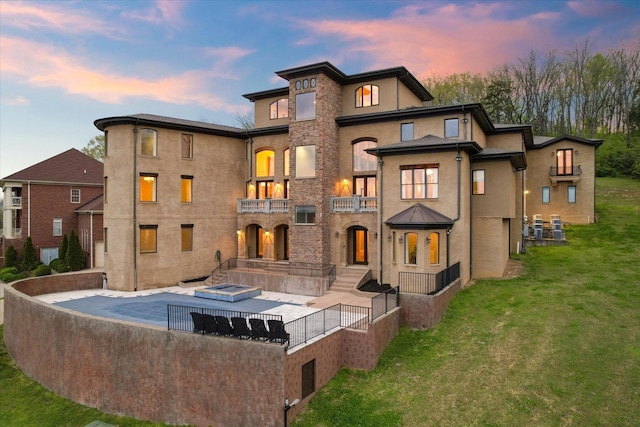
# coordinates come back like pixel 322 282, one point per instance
pixel 16 202
pixel 263 205
pixel 354 204
pixel 565 174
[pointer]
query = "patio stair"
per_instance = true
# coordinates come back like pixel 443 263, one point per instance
pixel 217 278
pixel 348 279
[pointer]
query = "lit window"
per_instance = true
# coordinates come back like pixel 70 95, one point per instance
pixel 148 239
pixel 451 128
pixel 265 190
pixel 287 162
pixel 364 186
pixel 148 142
pixel 411 248
pixel 305 214
pixel 406 131
pixel 187 237
pixel 264 163
pixel 546 194
pixel 571 194
pixel 434 248
pixel 306 161
pixel 564 162
pixel 148 187
pixel 57 226
pixel 363 161
pixel 478 181
pixel 75 195
pixel 418 182
pixel 306 106
pixel 367 95
pixel 279 109
pixel 187 146
pixel 186 189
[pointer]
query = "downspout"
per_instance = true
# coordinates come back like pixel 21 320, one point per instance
pixel 458 161
pixel 380 239
pixel 250 174
pixel 522 201
pixel 91 239
pixel 29 211
pixel 135 240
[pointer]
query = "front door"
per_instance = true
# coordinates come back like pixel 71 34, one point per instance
pixel 359 246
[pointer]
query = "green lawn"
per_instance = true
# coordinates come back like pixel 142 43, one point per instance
pixel 560 345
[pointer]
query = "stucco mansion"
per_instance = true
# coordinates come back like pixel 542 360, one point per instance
pixel 352 171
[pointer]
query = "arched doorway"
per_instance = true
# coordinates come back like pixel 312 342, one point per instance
pixel 358 242
pixel 282 242
pixel 255 241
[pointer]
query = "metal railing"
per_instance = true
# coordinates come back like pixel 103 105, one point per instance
pixel 16 202
pixel 263 205
pixel 354 204
pixel 383 303
pixel 428 283
pixel 565 171
pixel 290 268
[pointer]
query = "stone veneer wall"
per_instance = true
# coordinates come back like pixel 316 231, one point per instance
pixel 311 286
pixel 425 311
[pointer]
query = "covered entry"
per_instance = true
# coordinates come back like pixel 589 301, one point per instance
pixel 358 242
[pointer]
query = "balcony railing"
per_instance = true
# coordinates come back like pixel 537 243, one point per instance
pixel 263 205
pixel 428 283
pixel 291 268
pixel 354 204
pixel 16 202
pixel 565 171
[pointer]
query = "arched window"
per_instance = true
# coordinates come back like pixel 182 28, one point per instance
pixel 434 248
pixel 367 95
pixel 286 162
pixel 264 163
pixel 363 161
pixel 279 109
pixel 411 248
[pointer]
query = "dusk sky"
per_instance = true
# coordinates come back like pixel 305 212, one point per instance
pixel 65 64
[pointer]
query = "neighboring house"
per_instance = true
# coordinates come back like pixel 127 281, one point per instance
pixel 355 172
pixel 49 199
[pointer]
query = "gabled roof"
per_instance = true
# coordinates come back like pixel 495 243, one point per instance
pixel 70 167
pixel 171 123
pixel 543 141
pixel 424 144
pixel 517 158
pixel 420 217
pixel 95 205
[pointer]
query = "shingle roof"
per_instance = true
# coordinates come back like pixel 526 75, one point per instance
pixel 542 141
pixel 171 122
pixel 72 166
pixel 94 205
pixel 419 216
pixel 517 158
pixel 426 143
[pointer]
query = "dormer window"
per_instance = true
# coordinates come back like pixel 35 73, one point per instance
pixel 367 95
pixel 279 109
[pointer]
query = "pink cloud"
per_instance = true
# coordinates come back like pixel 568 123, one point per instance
pixel 15 101
pixel 593 7
pixel 41 65
pixel 438 41
pixel 162 12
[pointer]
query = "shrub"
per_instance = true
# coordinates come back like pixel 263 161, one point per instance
pixel 64 245
pixel 59 265
pixel 42 270
pixel 29 259
pixel 9 274
pixel 10 257
pixel 74 257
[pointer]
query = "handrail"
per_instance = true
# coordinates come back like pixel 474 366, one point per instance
pixel 428 283
pixel 565 171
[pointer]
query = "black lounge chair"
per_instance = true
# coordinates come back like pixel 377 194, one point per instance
pixel 258 329
pixel 210 324
pixel 240 328
pixel 224 327
pixel 277 332
pixel 198 322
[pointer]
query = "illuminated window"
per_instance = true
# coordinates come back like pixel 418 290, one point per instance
pixel 265 190
pixel 364 186
pixel 148 142
pixel 148 187
pixel 406 131
pixel 411 248
pixel 367 95
pixel 279 109
pixel 187 237
pixel 478 181
pixel 287 162
pixel 186 189
pixel 148 239
pixel 305 214
pixel 264 163
pixel 306 161
pixel 57 226
pixel 75 195
pixel 451 128
pixel 419 182
pixel 434 248
pixel 564 162
pixel 363 161
pixel 187 146
pixel 306 106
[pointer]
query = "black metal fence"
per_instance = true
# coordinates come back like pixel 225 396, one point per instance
pixel 383 303
pixel 428 283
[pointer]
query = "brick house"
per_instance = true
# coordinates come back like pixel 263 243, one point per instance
pixel 49 199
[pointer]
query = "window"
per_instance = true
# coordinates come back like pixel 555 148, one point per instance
pixel 406 131
pixel 306 106
pixel 264 163
pixel 564 162
pixel 365 186
pixel 106 143
pixel 287 162
pixel 265 190
pixel 57 226
pixel 148 142
pixel 148 239
pixel 546 195
pixel 187 237
pixel 451 128
pixel 148 187
pixel 279 109
pixel 478 181
pixel 104 193
pixel 367 95
pixel 286 188
pixel 75 195
pixel 434 248
pixel 571 194
pixel 305 214
pixel 186 189
pixel 186 146
pixel 104 237
pixel 363 161
pixel 308 378
pixel 411 248
pixel 306 161
pixel 419 182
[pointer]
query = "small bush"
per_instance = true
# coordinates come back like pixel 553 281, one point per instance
pixel 29 259
pixel 11 257
pixel 74 257
pixel 42 270
pixel 59 265
pixel 9 274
